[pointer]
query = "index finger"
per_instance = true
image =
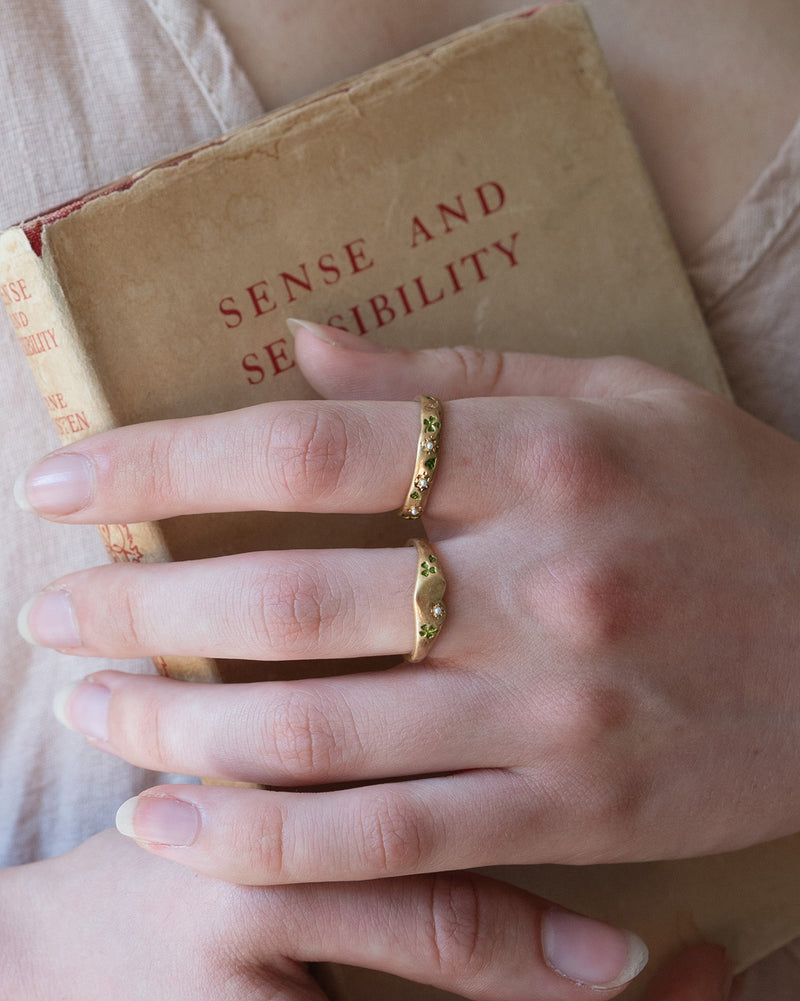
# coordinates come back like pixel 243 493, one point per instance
pixel 351 457
pixel 274 456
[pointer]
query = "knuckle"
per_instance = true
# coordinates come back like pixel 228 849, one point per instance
pixel 480 370
pixel 393 839
pixel 574 463
pixel 305 737
pixel 264 847
pixel 596 781
pixel 159 736
pixel 289 610
pixel 125 620
pixel 166 463
pixel 308 449
pixel 586 719
pixel 590 607
pixel 462 942
pixel 138 725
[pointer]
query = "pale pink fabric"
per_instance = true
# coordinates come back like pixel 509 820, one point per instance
pixel 747 278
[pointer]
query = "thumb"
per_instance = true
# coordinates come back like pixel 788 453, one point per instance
pixel 340 365
pixel 702 973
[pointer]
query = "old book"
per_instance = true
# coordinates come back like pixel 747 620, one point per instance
pixel 485 190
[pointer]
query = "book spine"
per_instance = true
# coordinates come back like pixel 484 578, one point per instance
pixel 41 317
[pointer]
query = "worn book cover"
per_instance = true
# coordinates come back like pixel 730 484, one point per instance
pixel 482 190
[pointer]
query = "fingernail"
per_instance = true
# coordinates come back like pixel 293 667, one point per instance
pixel 590 953
pixel 83 707
pixel 48 619
pixel 336 337
pixel 59 484
pixel 159 820
pixel 321 333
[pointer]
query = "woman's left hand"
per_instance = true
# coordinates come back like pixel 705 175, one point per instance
pixel 617 677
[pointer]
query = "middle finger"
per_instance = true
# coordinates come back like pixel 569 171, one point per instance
pixel 288 605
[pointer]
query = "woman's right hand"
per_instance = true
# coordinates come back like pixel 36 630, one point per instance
pixel 110 921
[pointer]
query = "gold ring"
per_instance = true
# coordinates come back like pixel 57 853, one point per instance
pixel 429 610
pixel 430 429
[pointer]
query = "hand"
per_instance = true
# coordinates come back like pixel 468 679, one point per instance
pixel 617 676
pixel 109 921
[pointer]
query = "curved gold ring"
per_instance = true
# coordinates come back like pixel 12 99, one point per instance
pixel 429 609
pixel 430 430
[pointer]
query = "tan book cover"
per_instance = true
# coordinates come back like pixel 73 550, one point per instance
pixel 482 190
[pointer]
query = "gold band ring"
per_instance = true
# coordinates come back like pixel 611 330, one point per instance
pixel 429 610
pixel 430 429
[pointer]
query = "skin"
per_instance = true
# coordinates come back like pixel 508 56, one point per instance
pixel 636 697
pixel 132 932
pixel 170 725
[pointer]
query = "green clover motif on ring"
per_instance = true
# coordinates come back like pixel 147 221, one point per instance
pixel 427 567
pixel 429 607
pixel 430 429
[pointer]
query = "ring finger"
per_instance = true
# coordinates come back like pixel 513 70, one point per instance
pixel 303 733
